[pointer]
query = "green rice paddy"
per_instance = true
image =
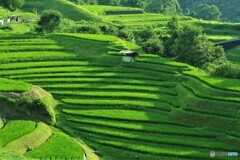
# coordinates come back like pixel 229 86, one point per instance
pixel 153 108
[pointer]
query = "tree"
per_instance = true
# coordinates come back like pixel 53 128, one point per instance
pixel 193 47
pixel 173 27
pixel 50 21
pixel 228 8
pixel 13 4
pixel 164 6
pixel 125 34
pixel 208 12
pixel 135 3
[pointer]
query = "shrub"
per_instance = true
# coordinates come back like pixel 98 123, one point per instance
pixel 109 29
pixel 228 70
pixel 68 26
pixel 6 27
pixel 154 46
pixel 125 34
pixel 92 29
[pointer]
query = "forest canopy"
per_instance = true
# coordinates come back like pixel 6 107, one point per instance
pixel 206 9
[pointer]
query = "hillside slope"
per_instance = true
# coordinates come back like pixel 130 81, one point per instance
pixel 111 10
pixel 153 108
pixel 68 9
pixel 22 101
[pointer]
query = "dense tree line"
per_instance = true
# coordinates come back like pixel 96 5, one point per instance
pixel 229 9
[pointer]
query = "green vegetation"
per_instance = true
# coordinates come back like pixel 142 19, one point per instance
pixel 207 12
pixel 233 55
pixel 229 70
pixel 35 104
pixel 216 31
pixel 153 108
pixel 14 130
pixel 106 10
pixel 13 4
pixel 126 111
pixel 31 140
pixel 228 8
pixel 192 47
pixel 11 156
pixel 68 9
pixel 69 149
pixel 49 21
pixel 156 6
pixel 12 27
pixel 37 141
pixel 7 85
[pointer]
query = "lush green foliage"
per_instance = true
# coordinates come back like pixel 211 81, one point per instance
pixel 208 12
pixel 166 7
pixel 193 47
pixel 229 70
pixel 229 9
pixel 190 45
pixel 153 46
pixel 49 21
pixel 13 4
pixel 128 111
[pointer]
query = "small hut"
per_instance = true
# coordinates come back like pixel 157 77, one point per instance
pixel 128 55
pixel 15 18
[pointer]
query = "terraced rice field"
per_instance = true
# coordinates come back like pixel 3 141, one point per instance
pixel 151 109
pixel 138 22
pixel 105 10
pixel 37 140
